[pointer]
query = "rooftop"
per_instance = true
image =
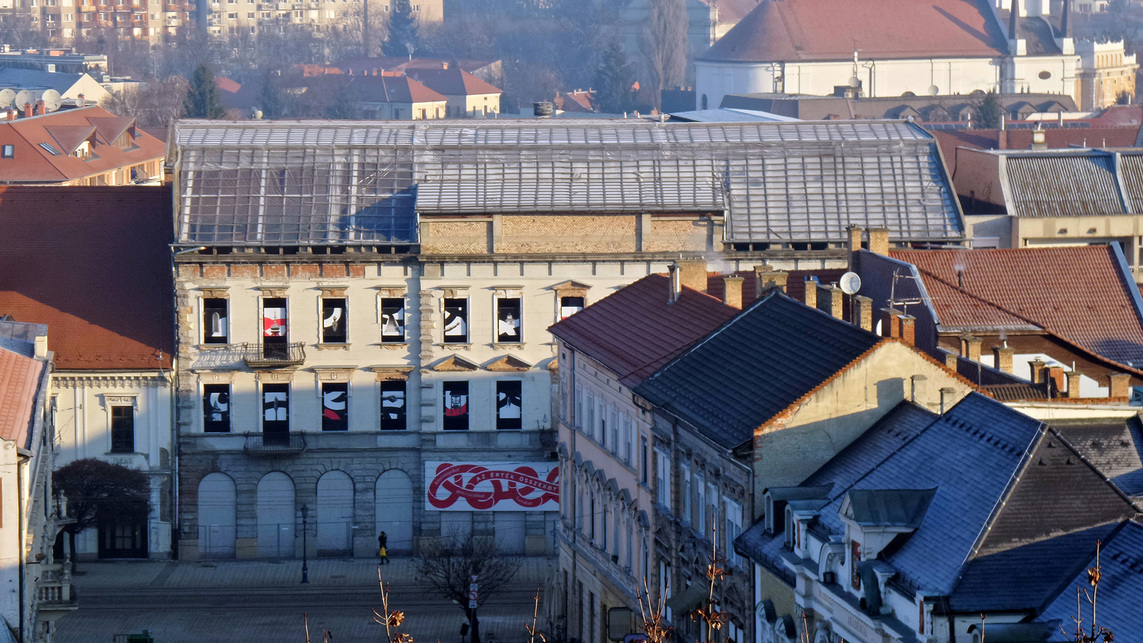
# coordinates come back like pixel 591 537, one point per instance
pixel 20 378
pixel 365 182
pixel 94 265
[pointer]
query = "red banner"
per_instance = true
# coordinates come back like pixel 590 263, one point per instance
pixel 497 486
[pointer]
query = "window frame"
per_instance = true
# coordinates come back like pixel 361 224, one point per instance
pixel 210 307
pixel 328 423
pixel 220 426
pixel 505 387
pixel 513 303
pixel 122 437
pixel 279 342
pixel 392 386
pixel 462 304
pixel 276 426
pixel 462 420
pixel 400 322
pixel 566 303
pixel 329 304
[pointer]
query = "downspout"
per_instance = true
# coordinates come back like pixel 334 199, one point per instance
pixel 22 458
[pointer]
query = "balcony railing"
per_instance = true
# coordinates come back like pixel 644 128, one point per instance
pixel 53 588
pixel 258 355
pixel 269 445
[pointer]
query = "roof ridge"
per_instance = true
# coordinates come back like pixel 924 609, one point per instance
pixel 1076 570
pixel 979 298
pixel 1090 465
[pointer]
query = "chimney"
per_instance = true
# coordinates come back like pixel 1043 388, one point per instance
pixel 40 109
pixel 879 241
pixel 732 291
pixel 951 360
pixel 811 291
pixel 890 322
pixel 948 394
pixel 676 287
pixel 864 313
pixel 27 110
pixel 908 330
pixel 854 233
pixel 918 392
pixel 1119 385
pixel 41 346
pixel 692 274
pixel 829 300
pixel 766 278
pixel 1073 385
pixel 80 101
pixel 970 347
pixel 1055 375
pixel 1065 18
pixel 12 114
pixel 1012 17
pixel 1002 358
pixel 1037 367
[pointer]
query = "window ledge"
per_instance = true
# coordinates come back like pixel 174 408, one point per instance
pixel 462 346
pixel 508 345
pixel 393 345
pixel 332 347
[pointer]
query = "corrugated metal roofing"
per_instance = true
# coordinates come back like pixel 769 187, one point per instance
pixel 1059 185
pixel 344 181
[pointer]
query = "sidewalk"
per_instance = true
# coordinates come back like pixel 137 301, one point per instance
pixel 285 575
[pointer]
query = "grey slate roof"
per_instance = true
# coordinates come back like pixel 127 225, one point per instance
pixel 276 182
pixel 1119 591
pixel 17 79
pixel 753 367
pixel 903 508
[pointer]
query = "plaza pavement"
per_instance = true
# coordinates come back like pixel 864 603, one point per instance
pixel 265 600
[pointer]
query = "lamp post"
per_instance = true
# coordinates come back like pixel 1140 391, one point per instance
pixel 305 550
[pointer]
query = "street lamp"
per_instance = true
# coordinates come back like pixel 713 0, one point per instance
pixel 305 552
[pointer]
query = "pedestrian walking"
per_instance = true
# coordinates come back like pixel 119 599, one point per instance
pixel 382 542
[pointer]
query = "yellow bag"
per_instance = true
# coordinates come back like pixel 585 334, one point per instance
pixel 384 553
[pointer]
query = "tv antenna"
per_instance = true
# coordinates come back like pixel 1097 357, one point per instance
pixel 902 303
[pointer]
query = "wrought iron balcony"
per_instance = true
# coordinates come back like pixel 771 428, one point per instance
pixel 271 445
pixel 259 355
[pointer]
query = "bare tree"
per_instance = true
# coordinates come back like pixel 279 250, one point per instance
pixel 153 104
pixel 664 46
pixel 450 565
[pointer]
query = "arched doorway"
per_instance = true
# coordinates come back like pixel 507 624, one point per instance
pixel 334 514
pixel 394 497
pixel 216 516
pixel 276 516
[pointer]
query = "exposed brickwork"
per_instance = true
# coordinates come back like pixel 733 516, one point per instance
pixel 777 591
pixel 456 237
pixel 304 271
pixel 274 271
pixel 334 270
pixel 244 271
pixel 670 236
pixel 214 272
pixel 541 234
pixel 189 271
pixel 357 270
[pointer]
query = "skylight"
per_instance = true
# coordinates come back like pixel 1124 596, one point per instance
pixel 48 146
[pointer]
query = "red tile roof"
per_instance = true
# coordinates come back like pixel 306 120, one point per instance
pixel 94 265
pixel 392 89
pixel 1079 294
pixel 634 331
pixel 452 82
pixel 808 30
pixel 19 382
pixel 32 163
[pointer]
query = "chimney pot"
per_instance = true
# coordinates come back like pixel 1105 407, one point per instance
pixel 890 322
pixel 811 292
pixel 676 287
pixel 1037 367
pixel 854 244
pixel 879 241
pixel 40 109
pixel 1002 356
pixel 1119 385
pixel 864 314
pixel 41 346
pixel 81 101
pixel 918 392
pixel 732 291
pixel 952 360
pixel 766 278
pixel 27 110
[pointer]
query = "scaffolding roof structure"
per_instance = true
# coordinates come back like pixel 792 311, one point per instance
pixel 274 183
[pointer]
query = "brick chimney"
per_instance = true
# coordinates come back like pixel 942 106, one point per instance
pixel 41 109
pixel 908 329
pixel 27 110
pixel 879 240
pixel 1119 385
pixel 970 347
pixel 810 295
pixel 1073 384
pixel 1037 367
pixel 951 360
pixel 766 278
pixel 854 244
pixel 692 274
pixel 864 312
pixel 732 291
pixel 1002 356
pixel 829 300
pixel 890 322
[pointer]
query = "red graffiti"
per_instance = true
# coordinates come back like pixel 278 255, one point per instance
pixel 522 486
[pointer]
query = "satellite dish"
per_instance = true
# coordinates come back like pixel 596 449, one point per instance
pixel 854 82
pixel 255 113
pixel 6 98
pixel 934 90
pixel 850 283
pixel 51 100
pixel 23 98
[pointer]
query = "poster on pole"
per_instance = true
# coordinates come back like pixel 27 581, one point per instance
pixel 492 486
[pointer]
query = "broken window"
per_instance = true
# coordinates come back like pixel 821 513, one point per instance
pixel 456 321
pixel 333 321
pixel 214 323
pixel 122 429
pixel 276 413
pixel 393 319
pixel 570 306
pixel 508 320
pixel 274 328
pixel 334 406
pixel 216 408
pixel 393 405
pixel 455 406
pixel 508 407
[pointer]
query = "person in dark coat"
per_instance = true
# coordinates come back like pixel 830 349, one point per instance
pixel 382 542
